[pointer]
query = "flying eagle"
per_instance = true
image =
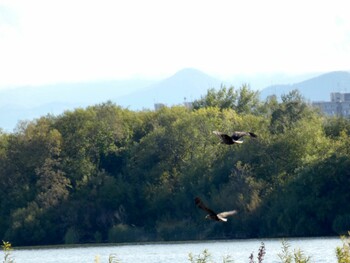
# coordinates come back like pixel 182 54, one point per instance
pixel 234 138
pixel 211 214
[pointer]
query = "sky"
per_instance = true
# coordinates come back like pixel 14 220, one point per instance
pixel 49 41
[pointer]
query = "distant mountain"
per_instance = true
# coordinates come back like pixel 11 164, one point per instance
pixel 259 81
pixel 29 102
pixel 185 85
pixel 314 89
pixel 79 94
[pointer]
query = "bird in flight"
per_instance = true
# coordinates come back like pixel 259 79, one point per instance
pixel 211 214
pixel 234 138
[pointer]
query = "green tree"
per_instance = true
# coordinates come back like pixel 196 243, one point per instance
pixel 290 111
pixel 243 100
pixel 223 98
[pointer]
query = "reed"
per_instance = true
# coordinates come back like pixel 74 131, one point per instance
pixel 297 256
pixel 7 248
pixel 205 257
pixel 261 254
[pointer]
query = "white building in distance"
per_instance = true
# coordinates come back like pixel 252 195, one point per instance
pixel 338 106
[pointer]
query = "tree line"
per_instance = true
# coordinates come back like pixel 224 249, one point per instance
pixel 109 174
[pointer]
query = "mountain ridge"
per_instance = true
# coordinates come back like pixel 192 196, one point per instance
pixel 28 103
pixel 317 88
pixel 186 84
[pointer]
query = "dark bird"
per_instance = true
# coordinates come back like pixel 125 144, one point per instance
pixel 234 138
pixel 211 214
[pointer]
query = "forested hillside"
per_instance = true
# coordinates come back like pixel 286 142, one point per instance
pixel 109 174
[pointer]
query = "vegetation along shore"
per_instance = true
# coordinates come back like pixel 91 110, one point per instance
pixel 109 174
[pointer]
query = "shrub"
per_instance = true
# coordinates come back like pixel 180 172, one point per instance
pixel 341 224
pixel 124 233
pixel 71 236
pixel 172 230
pixel 98 237
pixel 343 253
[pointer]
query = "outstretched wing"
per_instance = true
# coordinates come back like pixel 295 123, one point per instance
pixel 201 205
pixel 239 134
pixel 224 137
pixel 228 213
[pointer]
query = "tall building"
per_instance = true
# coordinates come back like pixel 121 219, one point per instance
pixel 338 106
pixel 158 106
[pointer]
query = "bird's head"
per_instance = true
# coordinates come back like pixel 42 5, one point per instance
pixel 210 217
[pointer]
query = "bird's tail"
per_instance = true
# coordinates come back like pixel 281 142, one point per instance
pixel 253 134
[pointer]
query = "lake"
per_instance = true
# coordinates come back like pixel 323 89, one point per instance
pixel 320 250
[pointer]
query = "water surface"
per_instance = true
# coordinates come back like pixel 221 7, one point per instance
pixel 321 250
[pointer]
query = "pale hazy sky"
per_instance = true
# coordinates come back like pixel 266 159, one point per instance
pixel 47 41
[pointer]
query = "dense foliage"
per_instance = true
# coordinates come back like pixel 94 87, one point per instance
pixel 109 174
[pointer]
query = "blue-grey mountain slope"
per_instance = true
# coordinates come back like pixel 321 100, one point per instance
pixel 314 89
pixel 185 85
pixel 29 102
